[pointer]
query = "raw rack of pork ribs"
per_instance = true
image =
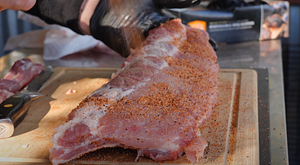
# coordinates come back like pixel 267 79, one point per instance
pixel 154 104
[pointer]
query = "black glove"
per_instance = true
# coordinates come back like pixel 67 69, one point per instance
pixel 119 26
pixel 61 12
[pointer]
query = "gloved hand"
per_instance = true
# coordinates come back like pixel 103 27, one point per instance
pixel 122 24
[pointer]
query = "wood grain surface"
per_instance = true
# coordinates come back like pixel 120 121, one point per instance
pixel 232 131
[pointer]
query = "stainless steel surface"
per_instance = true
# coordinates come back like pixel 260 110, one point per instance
pixel 266 54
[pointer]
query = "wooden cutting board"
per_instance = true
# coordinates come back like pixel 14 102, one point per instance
pixel 232 131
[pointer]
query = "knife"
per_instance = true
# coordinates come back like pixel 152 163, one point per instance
pixel 13 108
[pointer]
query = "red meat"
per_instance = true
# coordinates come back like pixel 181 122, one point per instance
pixel 22 72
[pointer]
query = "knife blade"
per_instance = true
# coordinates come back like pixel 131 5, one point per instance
pixel 13 108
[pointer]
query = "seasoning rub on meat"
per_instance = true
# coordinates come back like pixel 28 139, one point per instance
pixel 155 103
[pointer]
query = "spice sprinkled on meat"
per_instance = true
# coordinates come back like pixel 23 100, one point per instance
pixel 155 103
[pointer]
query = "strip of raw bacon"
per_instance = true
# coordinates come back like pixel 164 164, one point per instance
pixel 22 72
pixel 155 103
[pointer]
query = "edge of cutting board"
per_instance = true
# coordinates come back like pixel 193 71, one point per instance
pixel 247 146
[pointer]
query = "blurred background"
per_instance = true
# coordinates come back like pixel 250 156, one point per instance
pixel 11 26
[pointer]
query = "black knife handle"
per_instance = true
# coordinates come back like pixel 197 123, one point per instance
pixel 15 106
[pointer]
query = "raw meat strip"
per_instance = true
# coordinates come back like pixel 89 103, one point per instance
pixel 22 72
pixel 155 103
pixel 10 85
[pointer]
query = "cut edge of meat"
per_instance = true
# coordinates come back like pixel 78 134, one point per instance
pixel 196 149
